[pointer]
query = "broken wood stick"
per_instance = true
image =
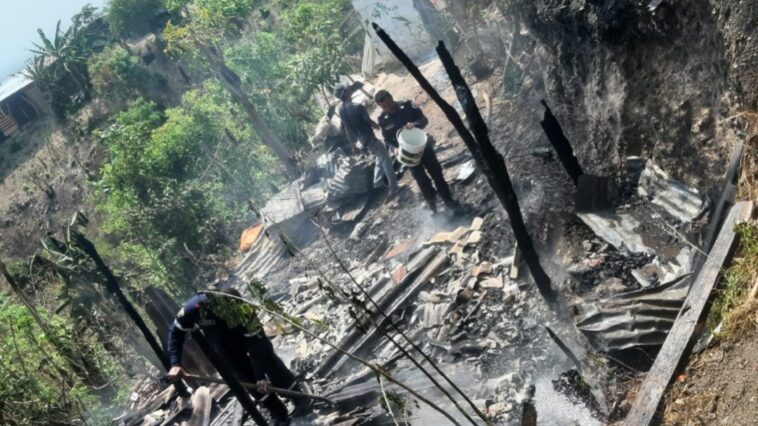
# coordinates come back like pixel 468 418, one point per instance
pixel 253 386
pixel 487 158
pixel 473 311
pixel 564 348
pixel 113 287
pixel 528 409
pixel 517 258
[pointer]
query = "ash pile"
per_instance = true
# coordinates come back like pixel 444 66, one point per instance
pixel 477 318
pixel 337 185
pixel 632 274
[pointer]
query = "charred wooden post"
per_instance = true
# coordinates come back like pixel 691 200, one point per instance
pixel 561 144
pixel 528 409
pixel 487 158
pixel 113 287
pixel 229 378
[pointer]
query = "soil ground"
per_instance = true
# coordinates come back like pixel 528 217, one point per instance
pixel 46 152
pixel 718 387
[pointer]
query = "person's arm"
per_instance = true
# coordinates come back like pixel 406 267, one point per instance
pixel 417 116
pixel 185 321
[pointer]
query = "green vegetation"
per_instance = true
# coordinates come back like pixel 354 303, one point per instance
pixel 733 305
pixel 132 17
pixel 31 387
pixel 60 63
pixel 263 65
pixel 117 75
pixel 319 46
pixel 38 382
pixel 173 178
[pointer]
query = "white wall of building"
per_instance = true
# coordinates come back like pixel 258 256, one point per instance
pixel 401 21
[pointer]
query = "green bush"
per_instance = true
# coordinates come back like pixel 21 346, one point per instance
pixel 116 73
pixel 131 17
pixel 287 107
pixel 34 387
pixel 227 8
pixel 174 179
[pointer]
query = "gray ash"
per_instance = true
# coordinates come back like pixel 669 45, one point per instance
pixel 572 385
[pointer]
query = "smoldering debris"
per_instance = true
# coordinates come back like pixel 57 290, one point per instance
pixel 635 283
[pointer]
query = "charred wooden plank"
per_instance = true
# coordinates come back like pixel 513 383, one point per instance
pixel 679 341
pixel 114 288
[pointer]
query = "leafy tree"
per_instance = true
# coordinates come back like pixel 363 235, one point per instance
pixel 314 30
pixel 35 387
pixel 131 17
pixel 263 64
pixel 207 24
pixel 60 61
pixel 173 181
pixel 116 74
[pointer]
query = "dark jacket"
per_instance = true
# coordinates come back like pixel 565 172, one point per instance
pixel 407 112
pixel 356 123
pixel 198 313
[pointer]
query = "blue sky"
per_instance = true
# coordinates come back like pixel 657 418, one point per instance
pixel 19 20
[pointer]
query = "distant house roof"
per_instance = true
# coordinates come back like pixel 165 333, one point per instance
pixel 13 85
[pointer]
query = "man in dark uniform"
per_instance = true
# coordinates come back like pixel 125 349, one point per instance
pixel 359 127
pixel 396 116
pixel 235 331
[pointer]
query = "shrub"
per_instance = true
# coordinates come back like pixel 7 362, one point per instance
pixel 116 73
pixel 132 17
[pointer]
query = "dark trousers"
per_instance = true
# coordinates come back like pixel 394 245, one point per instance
pixel 260 363
pixel 430 165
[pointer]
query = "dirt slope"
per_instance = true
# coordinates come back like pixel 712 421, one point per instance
pixel 718 387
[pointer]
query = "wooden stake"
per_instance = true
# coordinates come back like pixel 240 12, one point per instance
pixel 113 287
pixel 487 158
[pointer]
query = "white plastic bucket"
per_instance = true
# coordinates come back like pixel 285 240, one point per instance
pixel 412 144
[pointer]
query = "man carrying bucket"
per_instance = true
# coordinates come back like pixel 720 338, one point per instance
pixel 360 128
pixel 398 116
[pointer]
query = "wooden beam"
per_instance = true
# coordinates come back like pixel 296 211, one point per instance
pixel 486 156
pixel 678 342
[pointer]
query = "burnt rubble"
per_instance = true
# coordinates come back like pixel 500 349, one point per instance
pixel 458 287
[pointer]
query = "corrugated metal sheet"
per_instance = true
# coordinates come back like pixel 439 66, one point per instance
pixel 638 318
pixel 351 177
pixel 336 178
pixel 13 85
pixel 283 206
pixel 265 256
pixel 679 200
